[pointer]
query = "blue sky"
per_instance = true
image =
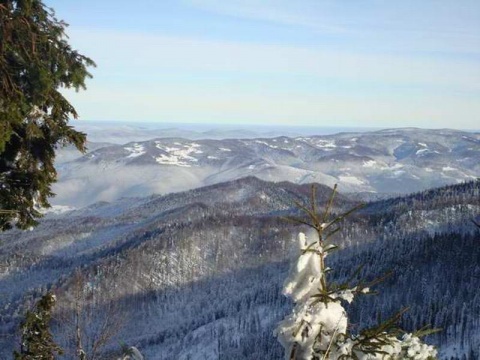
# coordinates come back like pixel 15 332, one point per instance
pixel 374 63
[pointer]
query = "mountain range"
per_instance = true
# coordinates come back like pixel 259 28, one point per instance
pixel 396 161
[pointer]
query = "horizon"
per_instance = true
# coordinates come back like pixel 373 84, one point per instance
pixel 308 63
pixel 211 126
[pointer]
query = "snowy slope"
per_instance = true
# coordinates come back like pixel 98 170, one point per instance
pixel 200 272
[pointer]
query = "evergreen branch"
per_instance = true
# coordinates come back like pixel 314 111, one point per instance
pixel 329 204
pixel 314 217
pixel 297 220
pixel 313 197
pixel 344 215
pixel 330 234
pixel 378 280
pixel 355 273
pixel 293 352
pixel 375 331
pixel 2 211
pixel 425 331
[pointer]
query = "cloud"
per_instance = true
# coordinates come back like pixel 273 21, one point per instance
pixel 402 76
pixel 409 25
pixel 279 12
pixel 143 56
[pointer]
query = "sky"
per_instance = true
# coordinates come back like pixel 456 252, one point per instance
pixel 372 63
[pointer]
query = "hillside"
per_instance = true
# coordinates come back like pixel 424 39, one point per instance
pixel 200 272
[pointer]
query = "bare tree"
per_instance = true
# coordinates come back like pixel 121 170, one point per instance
pixel 88 322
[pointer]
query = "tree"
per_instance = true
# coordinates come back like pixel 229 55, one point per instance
pixel 37 340
pixel 88 325
pixel 477 224
pixel 36 62
pixel 318 327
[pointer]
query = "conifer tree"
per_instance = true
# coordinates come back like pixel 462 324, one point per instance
pixel 318 327
pixel 37 340
pixel 36 62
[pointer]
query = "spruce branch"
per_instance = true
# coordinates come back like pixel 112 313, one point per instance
pixel 320 302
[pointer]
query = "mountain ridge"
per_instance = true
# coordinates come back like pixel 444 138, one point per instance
pixel 392 160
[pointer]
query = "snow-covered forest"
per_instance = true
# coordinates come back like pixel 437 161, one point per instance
pixel 255 180
pixel 199 275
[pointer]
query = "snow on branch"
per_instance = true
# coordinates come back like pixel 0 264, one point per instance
pixel 317 328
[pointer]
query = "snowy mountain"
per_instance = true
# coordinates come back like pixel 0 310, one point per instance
pixel 198 274
pixel 387 161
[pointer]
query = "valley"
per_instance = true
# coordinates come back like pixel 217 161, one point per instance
pixel 198 274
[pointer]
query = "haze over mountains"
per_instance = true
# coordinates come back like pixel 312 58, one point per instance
pixel 386 161
pixel 118 132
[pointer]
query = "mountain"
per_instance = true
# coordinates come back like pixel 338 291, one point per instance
pixel 387 161
pixel 119 132
pixel 198 274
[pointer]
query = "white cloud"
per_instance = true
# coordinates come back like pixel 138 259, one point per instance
pixel 280 12
pixel 402 76
pixel 408 25
pixel 143 55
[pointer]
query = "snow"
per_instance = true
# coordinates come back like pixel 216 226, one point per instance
pixel 201 346
pixel 326 144
pixel 178 156
pixel 375 170
pixel 310 318
pixel 135 151
pixel 422 152
pixel 369 163
pixel 266 144
pixel 318 326
pixel 306 276
pixel 448 168
pixel 133 354
pixel 320 143
pixel 350 180
pixel 58 209
pixel 171 160
pixel 395 166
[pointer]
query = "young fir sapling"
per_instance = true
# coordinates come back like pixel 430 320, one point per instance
pixel 318 327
